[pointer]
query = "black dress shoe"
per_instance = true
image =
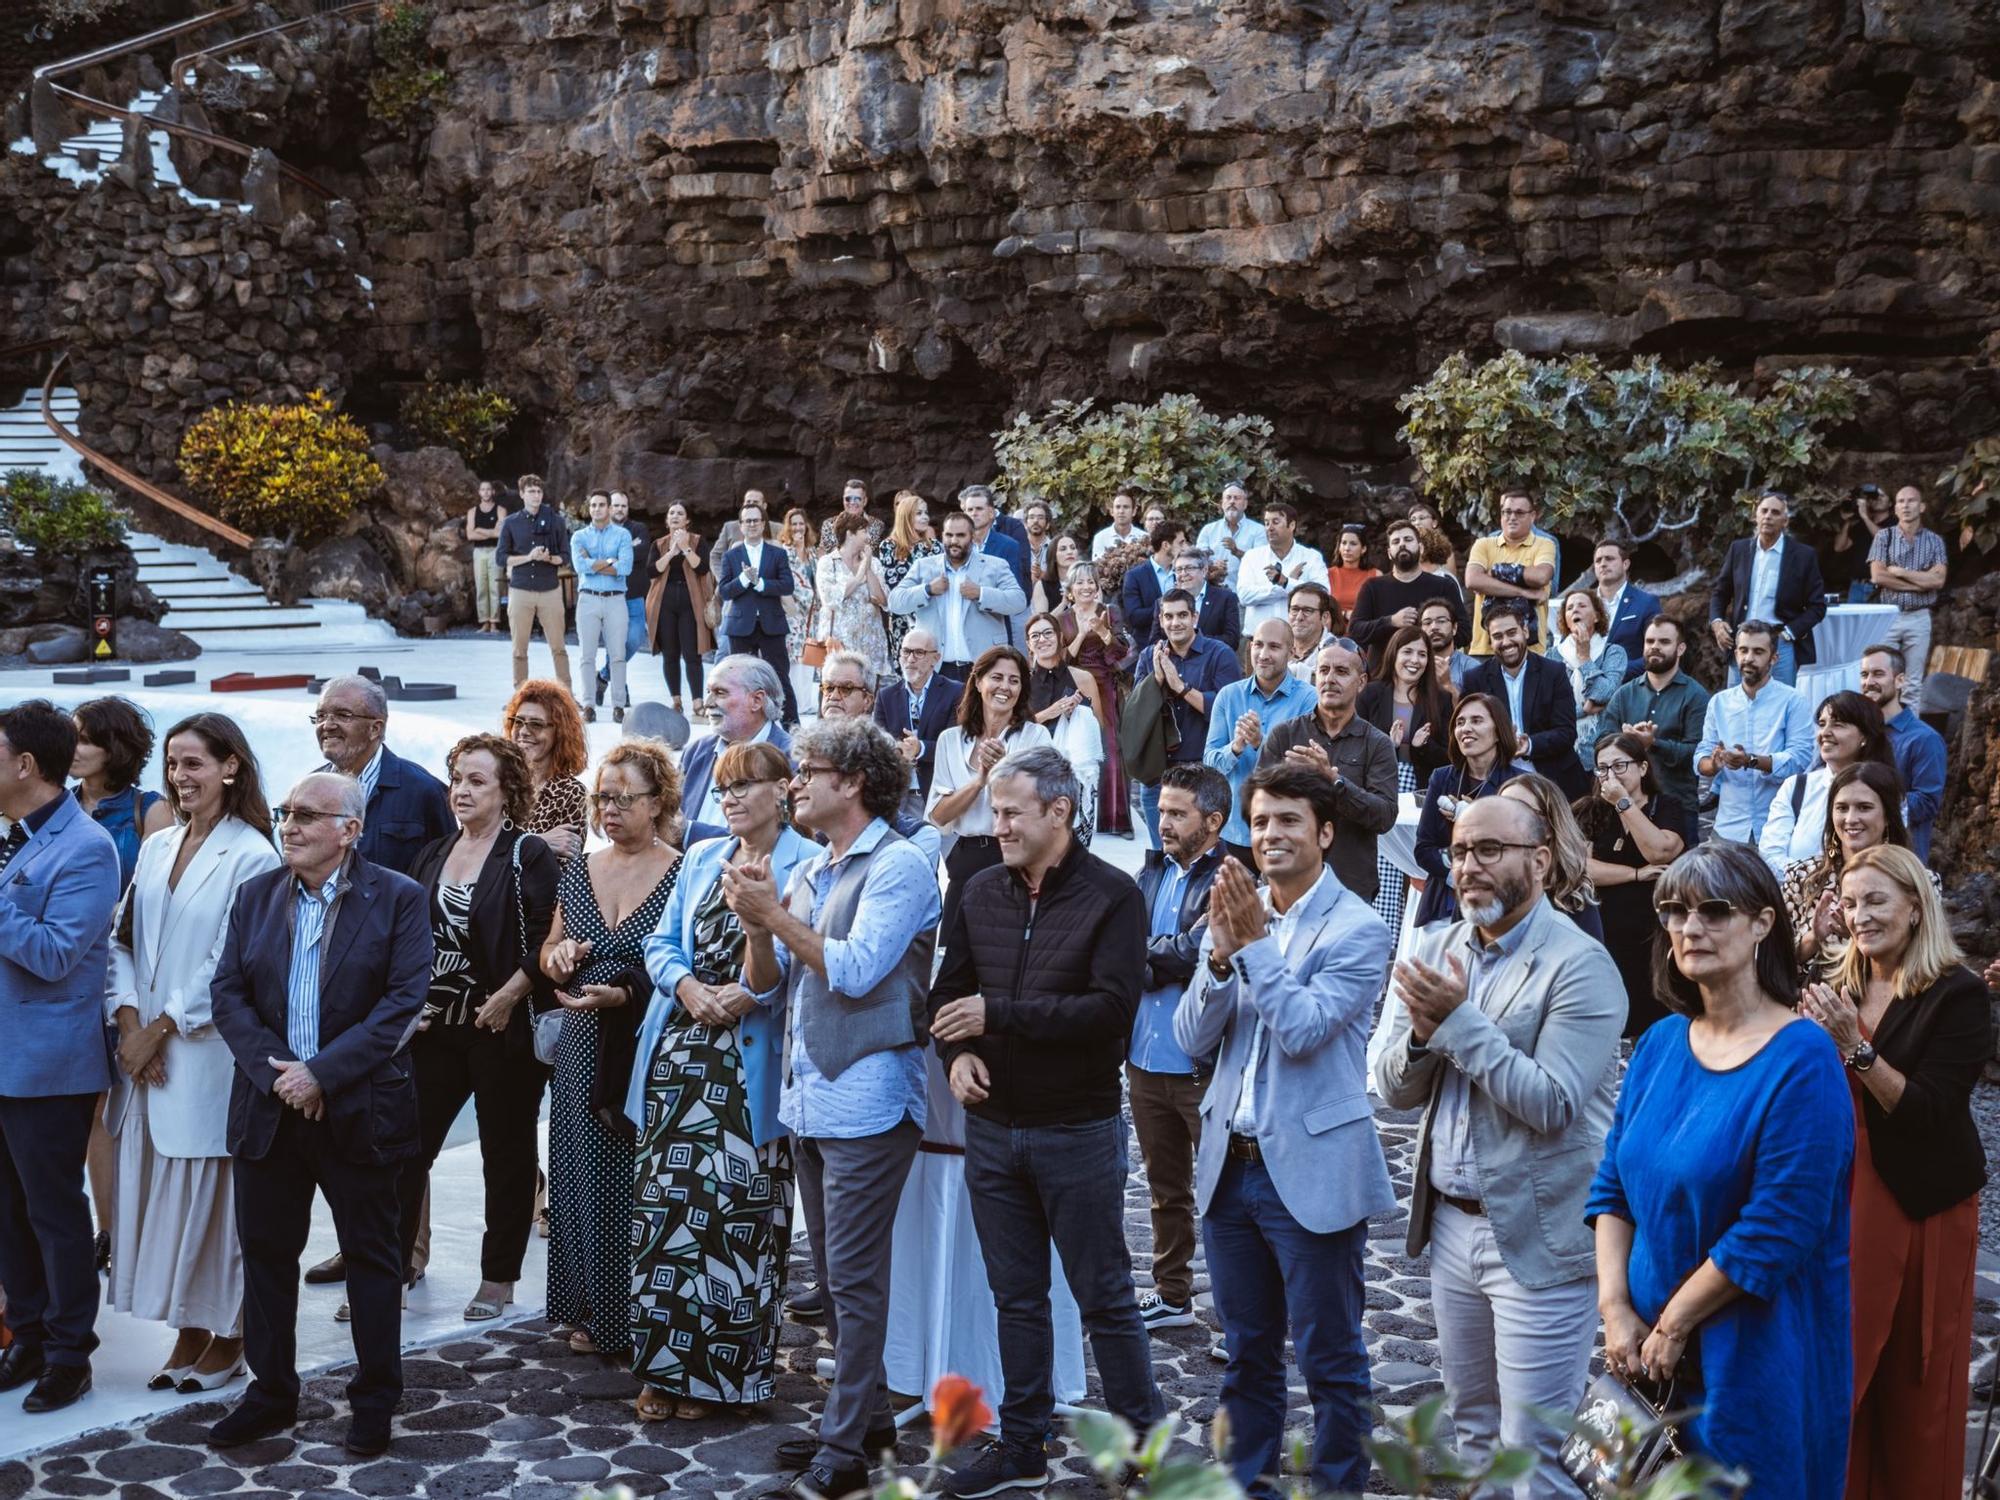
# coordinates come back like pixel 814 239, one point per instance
pixel 250 1421
pixel 60 1386
pixel 19 1364
pixel 810 1303
pixel 327 1272
pixel 796 1453
pixel 819 1482
pixel 368 1434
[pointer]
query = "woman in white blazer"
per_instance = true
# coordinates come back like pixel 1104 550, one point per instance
pixel 176 1258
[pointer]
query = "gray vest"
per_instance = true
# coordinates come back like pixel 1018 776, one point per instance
pixel 839 1030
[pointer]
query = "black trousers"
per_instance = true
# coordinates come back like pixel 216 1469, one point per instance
pixel 504 1082
pixel 46 1263
pixel 772 649
pixel 967 858
pixel 678 641
pixel 274 1196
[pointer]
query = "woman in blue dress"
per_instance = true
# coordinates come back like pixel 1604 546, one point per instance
pixel 1721 1203
pixel 114 744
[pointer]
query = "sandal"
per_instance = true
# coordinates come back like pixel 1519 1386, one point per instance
pixel 653 1405
pixel 485 1309
pixel 580 1342
pixel 694 1411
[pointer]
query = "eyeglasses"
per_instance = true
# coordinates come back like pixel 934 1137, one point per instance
pixel 739 790
pixel 533 726
pixel 1514 512
pixel 841 689
pixel 1615 767
pixel 1714 912
pixel 1485 851
pixel 341 718
pixel 806 773
pixel 305 817
pixel 621 800
pixel 918 651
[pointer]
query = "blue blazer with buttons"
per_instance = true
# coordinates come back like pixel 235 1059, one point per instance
pixel 1635 608
pixel 750 610
pixel 409 810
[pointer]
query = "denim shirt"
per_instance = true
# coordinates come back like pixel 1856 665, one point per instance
pixel 1154 1049
pixel 1293 699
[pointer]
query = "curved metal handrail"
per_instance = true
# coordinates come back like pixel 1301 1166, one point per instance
pixel 177 69
pixel 180 507
pixel 137 43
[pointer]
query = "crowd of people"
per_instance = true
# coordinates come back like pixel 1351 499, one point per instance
pixel 731 965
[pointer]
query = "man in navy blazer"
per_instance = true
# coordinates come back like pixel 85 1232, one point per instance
pixel 58 886
pixel 1003 537
pixel 1290 1166
pixel 1538 696
pixel 917 707
pixel 1772 577
pixel 755 576
pixel 407 806
pixel 1629 606
pixel 1145 582
pixel 318 990
pixel 744 690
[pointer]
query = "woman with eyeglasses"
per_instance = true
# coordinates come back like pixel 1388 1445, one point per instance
pixel 1350 571
pixel 1634 833
pixel 1916 1027
pixel 176 1257
pixel 1864 809
pixel 491 892
pixel 852 596
pixel 1721 1201
pixel 909 539
pixel 1848 730
pixel 1065 700
pixel 993 722
pixel 607 904
pixel 1481 750
pixel 543 722
pixel 712 1226
pixel 1569 887
pixel 1095 639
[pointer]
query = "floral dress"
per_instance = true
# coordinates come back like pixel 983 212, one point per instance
pixel 852 619
pixel 798 607
pixel 894 570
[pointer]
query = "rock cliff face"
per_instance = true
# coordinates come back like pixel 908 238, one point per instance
pixel 715 242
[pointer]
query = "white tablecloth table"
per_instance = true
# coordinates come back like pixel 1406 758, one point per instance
pixel 1838 641
pixel 1399 847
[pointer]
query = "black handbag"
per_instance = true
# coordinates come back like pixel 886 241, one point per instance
pixel 1624 1434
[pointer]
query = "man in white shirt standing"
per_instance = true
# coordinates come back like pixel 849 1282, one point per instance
pixel 1123 529
pixel 1235 534
pixel 1268 573
pixel 964 598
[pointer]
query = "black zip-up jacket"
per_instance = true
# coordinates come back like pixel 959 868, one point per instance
pixel 1061 982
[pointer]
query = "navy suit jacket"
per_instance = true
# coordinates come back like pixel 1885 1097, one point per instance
pixel 751 611
pixel 1801 592
pixel 892 712
pixel 1220 616
pixel 698 770
pixel 1139 598
pixel 1015 532
pixel 1548 713
pixel 375 971
pixel 1635 608
pixel 409 809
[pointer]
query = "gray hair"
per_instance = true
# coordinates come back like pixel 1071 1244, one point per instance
pixel 371 690
pixel 353 801
pixel 979 491
pixel 1200 557
pixel 858 747
pixel 753 674
pixel 1048 768
pixel 852 659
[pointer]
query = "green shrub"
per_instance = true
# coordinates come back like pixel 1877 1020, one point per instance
pixel 407 83
pixel 464 416
pixel 1175 451
pixel 294 472
pixel 1969 497
pixel 58 517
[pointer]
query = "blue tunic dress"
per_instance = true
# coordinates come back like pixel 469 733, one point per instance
pixel 1750 1166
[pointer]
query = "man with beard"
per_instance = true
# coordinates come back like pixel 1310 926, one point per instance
pixel 1246 711
pixel 1395 599
pixel 1919 749
pixel 1664 709
pixel 1537 693
pixel 1515 1116
pixel 1754 735
pixel 966 599
pixel 1268 574
pixel 1191 669
pixel 1235 534
pixel 1441 624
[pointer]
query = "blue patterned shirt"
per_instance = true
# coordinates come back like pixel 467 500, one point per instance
pixel 312 920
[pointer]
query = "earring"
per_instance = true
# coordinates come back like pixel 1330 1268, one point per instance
pixel 229 781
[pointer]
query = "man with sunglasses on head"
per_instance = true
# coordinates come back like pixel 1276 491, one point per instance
pixel 1504 1028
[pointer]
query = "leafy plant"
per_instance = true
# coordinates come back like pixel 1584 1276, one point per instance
pixel 291 471
pixel 58 517
pixel 1642 452
pixel 464 416
pixel 1175 451
pixel 1971 497
pixel 407 83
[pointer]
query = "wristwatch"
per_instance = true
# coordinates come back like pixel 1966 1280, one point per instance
pixel 1623 804
pixel 1862 1058
pixel 1219 967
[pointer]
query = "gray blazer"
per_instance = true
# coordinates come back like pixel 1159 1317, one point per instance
pixel 1540 1050
pixel 986 622
pixel 1315 1123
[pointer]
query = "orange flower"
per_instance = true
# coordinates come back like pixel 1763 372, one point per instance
pixel 958 1412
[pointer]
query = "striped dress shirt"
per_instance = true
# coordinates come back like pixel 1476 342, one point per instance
pixel 312 916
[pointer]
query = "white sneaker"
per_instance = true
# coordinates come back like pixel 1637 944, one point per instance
pixel 1157 1313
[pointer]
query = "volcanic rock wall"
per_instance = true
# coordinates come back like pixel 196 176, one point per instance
pixel 712 242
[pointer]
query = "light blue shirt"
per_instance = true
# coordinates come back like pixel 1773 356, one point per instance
pixel 311 919
pixel 899 896
pixel 1514 682
pixel 1778 722
pixel 1765 565
pixel 1153 1046
pixel 1293 699
pixel 1213 538
pixel 1166 577
pixel 595 544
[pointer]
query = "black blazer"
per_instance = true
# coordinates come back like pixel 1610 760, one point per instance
pixel 495 931
pixel 1801 591
pixel 892 712
pixel 1220 617
pixel 1548 712
pixel 1927 1149
pixel 1377 704
pixel 1139 598
pixel 1171 959
pixel 747 612
pixel 375 970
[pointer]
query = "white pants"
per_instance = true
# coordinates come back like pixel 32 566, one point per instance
pixel 1507 1352
pixel 600 620
pixel 1910 633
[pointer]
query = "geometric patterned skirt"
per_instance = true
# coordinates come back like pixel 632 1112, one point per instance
pixel 711 1225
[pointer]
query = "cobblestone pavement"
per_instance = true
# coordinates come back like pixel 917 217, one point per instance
pixel 512 1412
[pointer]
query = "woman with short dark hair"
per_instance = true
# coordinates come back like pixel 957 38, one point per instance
pixel 1847 730
pixel 114 741
pixel 1720 1204
pixel 1481 749
pixel 1634 834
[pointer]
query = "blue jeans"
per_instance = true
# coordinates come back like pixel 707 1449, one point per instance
pixel 1033 1184
pixel 1263 1269
pixel 1785 669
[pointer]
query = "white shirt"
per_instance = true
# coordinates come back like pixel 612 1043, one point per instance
pixel 1264 600
pixel 754 551
pixel 1283 925
pixel 1766 563
pixel 951 635
pixel 1788 836
pixel 1111 537
pixel 1248 534
pixel 953 770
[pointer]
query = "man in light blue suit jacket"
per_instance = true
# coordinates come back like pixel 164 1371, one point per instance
pixel 1290 1166
pixel 59 882
pixel 967 599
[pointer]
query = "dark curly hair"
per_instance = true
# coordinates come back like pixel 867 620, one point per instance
pixel 860 747
pixel 517 783
pixel 656 766
pixel 120 728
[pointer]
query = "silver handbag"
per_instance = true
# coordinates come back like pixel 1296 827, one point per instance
pixel 1623 1435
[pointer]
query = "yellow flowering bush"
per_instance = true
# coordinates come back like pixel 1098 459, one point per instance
pixel 293 471
pixel 464 416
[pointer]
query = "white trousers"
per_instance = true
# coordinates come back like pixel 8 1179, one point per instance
pixel 1507 1352
pixel 600 620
